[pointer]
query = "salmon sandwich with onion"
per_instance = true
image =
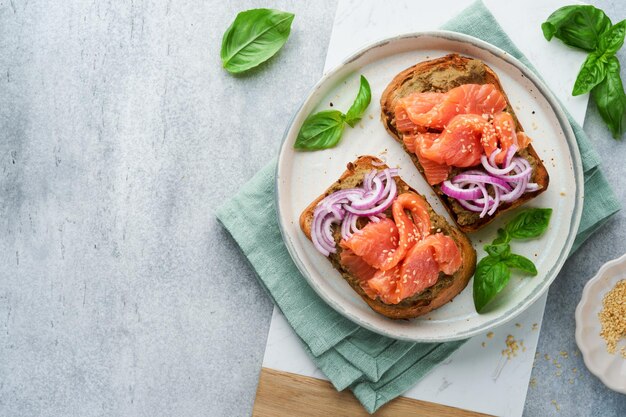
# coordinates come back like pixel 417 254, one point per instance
pixel 453 118
pixel 384 238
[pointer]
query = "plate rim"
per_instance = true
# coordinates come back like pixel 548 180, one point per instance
pixel 570 139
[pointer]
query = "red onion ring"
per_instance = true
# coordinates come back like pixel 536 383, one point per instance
pixel 484 179
pixel 496 201
pixel 344 207
pixel 509 155
pixel 455 191
pixel 375 194
pixel 493 168
pixel 509 182
pixel 390 192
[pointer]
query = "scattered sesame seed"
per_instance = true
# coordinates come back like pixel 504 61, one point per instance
pixel 512 346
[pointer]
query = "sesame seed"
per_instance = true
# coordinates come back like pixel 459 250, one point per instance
pixel 613 317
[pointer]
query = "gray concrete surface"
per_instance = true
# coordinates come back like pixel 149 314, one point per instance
pixel 120 134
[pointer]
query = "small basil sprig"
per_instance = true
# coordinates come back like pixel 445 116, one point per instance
pixel 254 37
pixel 590 29
pixel 323 130
pixel 493 272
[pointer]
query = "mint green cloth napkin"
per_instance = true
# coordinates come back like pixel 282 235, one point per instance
pixel 376 368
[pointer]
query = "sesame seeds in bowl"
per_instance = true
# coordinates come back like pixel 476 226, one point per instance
pixel 600 324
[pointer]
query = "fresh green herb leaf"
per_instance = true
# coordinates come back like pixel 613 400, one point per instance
pixel 592 72
pixel 529 223
pixel 493 271
pixel 361 102
pixel 499 250
pixel 612 40
pixel 321 130
pixel 595 67
pixel 611 100
pixel 577 26
pixel 254 37
pixel 490 278
pixel 503 237
pixel 324 129
pixel 520 262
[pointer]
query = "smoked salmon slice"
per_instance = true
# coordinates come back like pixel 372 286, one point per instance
pixel 357 266
pixel 409 231
pixel 434 172
pixel 480 99
pixel 460 144
pixel 421 267
pixel 419 270
pixel 413 105
pixel 383 245
pixel 505 129
pixel 375 242
pixel 409 142
pixel 403 123
pixel 384 285
pixel 471 122
pixel 360 269
pixel 394 259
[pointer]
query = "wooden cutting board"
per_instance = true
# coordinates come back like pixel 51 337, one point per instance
pixel 285 394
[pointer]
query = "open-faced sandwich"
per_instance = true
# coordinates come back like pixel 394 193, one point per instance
pixel 400 256
pixel 454 119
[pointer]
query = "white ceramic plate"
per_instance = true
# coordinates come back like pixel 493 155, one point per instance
pixel 610 368
pixel 302 176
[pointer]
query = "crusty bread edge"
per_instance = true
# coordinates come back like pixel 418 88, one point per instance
pixel 402 311
pixel 387 115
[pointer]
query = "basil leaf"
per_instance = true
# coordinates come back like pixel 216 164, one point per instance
pixel 577 26
pixel 363 98
pixel 529 223
pixel 611 100
pixel 522 263
pixel 254 37
pixel 490 278
pixel 594 69
pixel 498 250
pixel 321 130
pixel 503 237
pixel 613 39
pixel 592 72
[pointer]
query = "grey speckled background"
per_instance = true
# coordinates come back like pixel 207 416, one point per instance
pixel 120 134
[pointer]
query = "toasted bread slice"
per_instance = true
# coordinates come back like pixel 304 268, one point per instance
pixel 441 75
pixel 447 286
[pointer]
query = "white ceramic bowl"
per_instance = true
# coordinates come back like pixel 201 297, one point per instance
pixel 610 368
